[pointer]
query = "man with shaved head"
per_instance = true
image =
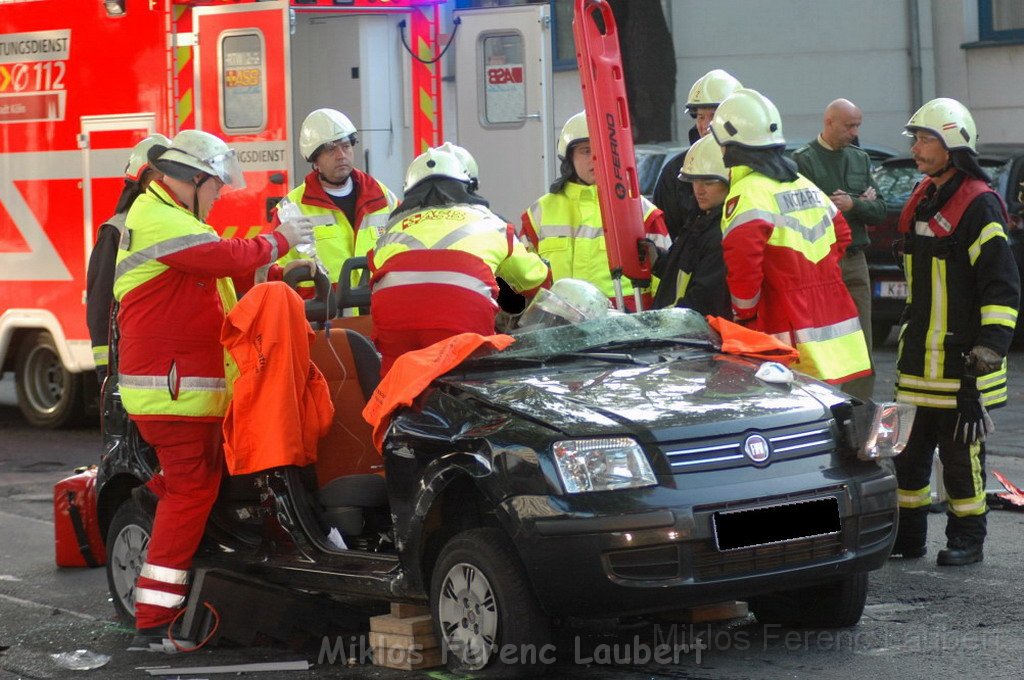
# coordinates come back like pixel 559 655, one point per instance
pixel 843 171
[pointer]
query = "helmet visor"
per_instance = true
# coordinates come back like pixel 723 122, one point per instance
pixel 227 169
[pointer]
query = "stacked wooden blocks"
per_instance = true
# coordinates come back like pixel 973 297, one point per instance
pixel 404 639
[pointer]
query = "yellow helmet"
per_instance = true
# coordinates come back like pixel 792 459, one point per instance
pixel 323 126
pixel 194 151
pixel 748 118
pixel 573 132
pixel 138 161
pixel 704 161
pixel 711 89
pixel 435 162
pixel 947 119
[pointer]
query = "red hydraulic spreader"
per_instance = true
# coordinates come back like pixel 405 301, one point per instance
pixel 604 98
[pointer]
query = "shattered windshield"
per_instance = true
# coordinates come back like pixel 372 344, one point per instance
pixel 614 330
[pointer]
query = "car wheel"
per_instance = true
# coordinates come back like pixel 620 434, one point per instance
pixel 880 332
pixel 127 544
pixel 838 604
pixel 485 612
pixel 49 395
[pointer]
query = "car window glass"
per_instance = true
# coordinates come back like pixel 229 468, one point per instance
pixel 658 324
pixel 896 181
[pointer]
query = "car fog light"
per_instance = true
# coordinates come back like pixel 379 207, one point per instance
pixel 602 464
pixel 888 432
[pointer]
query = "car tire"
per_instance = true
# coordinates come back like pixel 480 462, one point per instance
pixel 838 604
pixel 483 606
pixel 127 544
pixel 49 395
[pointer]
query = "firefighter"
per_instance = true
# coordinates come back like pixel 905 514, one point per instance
pixel 433 272
pixel 565 227
pixel 99 285
pixel 675 197
pixel 782 239
pixel 693 273
pixel 359 203
pixel 955 332
pixel 172 287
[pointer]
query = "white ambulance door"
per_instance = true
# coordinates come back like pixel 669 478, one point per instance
pixel 503 99
pixel 243 95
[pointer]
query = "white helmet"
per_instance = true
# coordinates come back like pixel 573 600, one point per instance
pixel 947 119
pixel 138 161
pixel 472 169
pixel 748 118
pixel 194 151
pixel 573 132
pixel 435 162
pixel 323 126
pixel 704 161
pixel 711 89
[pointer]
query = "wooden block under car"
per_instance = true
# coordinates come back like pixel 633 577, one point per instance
pixel 406 611
pixel 411 642
pixel 415 625
pixel 406 660
pixel 720 611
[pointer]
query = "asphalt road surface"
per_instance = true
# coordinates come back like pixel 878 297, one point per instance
pixel 922 621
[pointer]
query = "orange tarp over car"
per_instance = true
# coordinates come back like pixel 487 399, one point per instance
pixel 737 339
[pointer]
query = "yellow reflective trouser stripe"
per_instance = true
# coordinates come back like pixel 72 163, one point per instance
pixel 101 355
pixel 989 231
pixel 907 498
pixel 682 283
pixel 975 505
pixel 936 336
pixel 998 315
pixel 834 358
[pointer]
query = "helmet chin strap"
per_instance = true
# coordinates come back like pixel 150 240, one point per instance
pixel 195 195
pixel 948 166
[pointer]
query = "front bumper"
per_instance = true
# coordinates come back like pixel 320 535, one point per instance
pixel 649 550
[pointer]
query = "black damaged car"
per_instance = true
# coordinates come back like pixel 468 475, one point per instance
pixel 618 467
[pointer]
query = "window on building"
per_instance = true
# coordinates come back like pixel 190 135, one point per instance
pixel 1001 20
pixel 503 80
pixel 243 78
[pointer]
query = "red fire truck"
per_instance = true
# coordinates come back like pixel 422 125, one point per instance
pixel 81 81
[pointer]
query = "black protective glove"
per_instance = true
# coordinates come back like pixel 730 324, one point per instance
pixel 973 423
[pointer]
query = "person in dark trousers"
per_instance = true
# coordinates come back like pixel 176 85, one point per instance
pixel 693 272
pixel 841 170
pixel 955 332
pixel 99 277
pixel 676 198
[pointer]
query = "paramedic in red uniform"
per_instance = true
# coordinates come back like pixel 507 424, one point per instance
pixel 434 269
pixel 173 283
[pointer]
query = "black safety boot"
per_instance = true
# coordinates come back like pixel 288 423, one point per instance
pixel 911 533
pixel 960 551
pixel 157 640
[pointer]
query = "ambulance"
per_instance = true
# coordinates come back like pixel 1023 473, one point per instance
pixel 81 81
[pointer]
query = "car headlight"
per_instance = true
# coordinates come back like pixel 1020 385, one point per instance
pixel 602 464
pixel 888 431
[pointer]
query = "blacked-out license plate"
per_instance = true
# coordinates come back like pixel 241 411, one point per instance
pixel 790 521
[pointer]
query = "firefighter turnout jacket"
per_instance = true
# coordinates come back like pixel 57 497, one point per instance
pixel 782 242
pixel 693 272
pixel 99 289
pixel 172 284
pixel 436 268
pixel 566 230
pixel 341 240
pixel 964 290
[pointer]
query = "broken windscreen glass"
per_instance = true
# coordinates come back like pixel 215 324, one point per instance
pixel 615 329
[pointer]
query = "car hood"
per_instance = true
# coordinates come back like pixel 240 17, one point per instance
pixel 703 395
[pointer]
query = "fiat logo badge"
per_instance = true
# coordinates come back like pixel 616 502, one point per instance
pixel 757 449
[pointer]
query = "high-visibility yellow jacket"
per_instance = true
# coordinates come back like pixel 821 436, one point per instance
pixel 172 283
pixel 566 230
pixel 341 240
pixel 782 242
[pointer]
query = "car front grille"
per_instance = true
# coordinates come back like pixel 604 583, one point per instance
pixel 717 453
pixel 710 564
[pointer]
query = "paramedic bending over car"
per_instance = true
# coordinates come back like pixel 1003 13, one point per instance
pixel 434 270
pixel 565 226
pixel 358 204
pixel 174 288
pixel 99 286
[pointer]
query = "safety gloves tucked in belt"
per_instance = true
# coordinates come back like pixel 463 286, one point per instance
pixel 973 423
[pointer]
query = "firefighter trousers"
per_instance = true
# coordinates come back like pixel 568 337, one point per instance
pixel 963 468
pixel 191 460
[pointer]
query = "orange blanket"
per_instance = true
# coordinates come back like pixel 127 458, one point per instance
pixel 737 339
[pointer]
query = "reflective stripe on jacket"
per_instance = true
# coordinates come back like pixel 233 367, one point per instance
pixel 964 290
pixel 566 230
pixel 341 240
pixel 171 281
pixel 782 242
